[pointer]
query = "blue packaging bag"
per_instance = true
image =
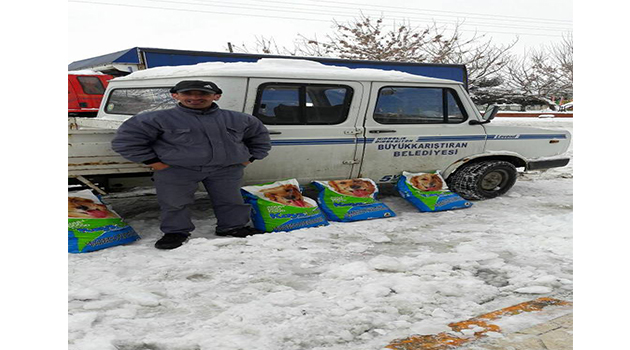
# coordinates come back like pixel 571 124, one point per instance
pixel 280 206
pixel 93 226
pixel 350 200
pixel 428 192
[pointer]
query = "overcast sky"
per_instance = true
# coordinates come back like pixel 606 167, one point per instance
pixel 97 27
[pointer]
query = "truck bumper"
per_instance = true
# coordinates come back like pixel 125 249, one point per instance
pixel 547 164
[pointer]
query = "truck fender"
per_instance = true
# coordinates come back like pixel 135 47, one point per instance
pixel 511 157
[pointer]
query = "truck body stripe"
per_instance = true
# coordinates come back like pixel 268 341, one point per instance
pixel 351 141
pixel 527 137
pixel 294 142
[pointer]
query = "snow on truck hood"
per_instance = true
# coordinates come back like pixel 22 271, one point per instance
pixel 279 68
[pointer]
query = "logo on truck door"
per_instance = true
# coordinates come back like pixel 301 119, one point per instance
pixel 424 146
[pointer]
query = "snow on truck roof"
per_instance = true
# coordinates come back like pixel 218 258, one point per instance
pixel 84 72
pixel 278 68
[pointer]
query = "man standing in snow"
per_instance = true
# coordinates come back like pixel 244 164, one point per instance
pixel 196 141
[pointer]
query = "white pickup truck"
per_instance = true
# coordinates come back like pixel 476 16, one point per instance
pixel 329 122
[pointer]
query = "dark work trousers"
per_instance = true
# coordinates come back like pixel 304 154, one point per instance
pixel 176 187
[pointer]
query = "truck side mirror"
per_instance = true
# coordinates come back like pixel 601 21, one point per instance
pixel 490 113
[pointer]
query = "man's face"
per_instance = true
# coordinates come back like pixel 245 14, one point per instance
pixel 196 99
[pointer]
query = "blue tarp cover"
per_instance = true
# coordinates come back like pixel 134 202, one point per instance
pixel 124 56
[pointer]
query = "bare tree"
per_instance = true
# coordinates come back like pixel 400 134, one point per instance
pixel 562 57
pixel 369 39
pixel 483 59
pixel 266 46
pixel 494 73
pixel 541 75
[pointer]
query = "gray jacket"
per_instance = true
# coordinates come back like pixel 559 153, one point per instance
pixel 187 137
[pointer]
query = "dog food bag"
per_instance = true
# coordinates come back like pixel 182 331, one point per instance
pixel 280 206
pixel 350 200
pixel 93 226
pixel 428 192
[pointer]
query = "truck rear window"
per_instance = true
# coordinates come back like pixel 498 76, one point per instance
pixel 135 100
pixel 418 105
pixel 91 85
pixel 302 104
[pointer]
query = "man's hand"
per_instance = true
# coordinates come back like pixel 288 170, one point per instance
pixel 158 166
pixel 246 163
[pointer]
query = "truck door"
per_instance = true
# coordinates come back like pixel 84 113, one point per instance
pixel 415 127
pixel 73 99
pixel 313 126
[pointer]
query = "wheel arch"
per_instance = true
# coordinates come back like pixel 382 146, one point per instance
pixel 515 159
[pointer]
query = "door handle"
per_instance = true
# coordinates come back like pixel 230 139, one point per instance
pixel 381 131
pixel 273 132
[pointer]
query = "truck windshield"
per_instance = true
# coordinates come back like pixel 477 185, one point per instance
pixel 135 100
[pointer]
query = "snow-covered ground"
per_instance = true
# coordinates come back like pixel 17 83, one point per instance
pixel 345 286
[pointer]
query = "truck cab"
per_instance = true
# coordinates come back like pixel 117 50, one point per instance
pixel 85 92
pixel 331 122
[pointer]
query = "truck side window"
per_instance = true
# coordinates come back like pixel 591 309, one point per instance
pixel 418 105
pixel 302 104
pixel 133 101
pixel 91 85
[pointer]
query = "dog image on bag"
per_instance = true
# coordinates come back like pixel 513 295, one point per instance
pixel 280 206
pixel 85 208
pixel 353 187
pixel 427 182
pixel 428 192
pixel 287 195
pixel 350 200
pixel 92 225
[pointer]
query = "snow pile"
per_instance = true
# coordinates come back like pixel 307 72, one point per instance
pixel 345 286
pixel 276 67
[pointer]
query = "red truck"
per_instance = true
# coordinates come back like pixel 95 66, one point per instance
pixel 85 92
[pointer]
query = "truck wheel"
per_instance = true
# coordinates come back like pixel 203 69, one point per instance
pixel 483 180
